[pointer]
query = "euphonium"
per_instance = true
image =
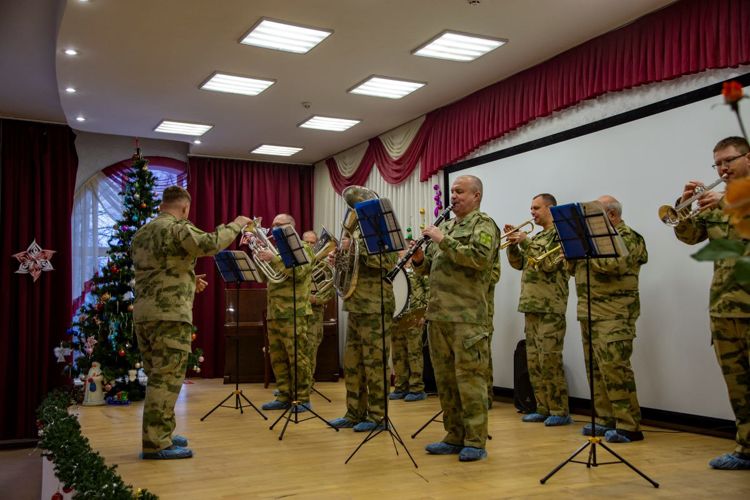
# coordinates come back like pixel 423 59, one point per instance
pixel 322 274
pixel 259 243
pixel 516 229
pixel 346 262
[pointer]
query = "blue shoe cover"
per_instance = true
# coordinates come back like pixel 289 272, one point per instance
pixel 600 430
pixel 180 441
pixel 396 395
pixel 171 453
pixel 419 396
pixel 534 417
pixel 342 423
pixel 367 427
pixel 469 454
pixel 730 462
pixel 613 437
pixel 304 407
pixel 443 449
pixel 275 393
pixel 276 405
pixel 555 420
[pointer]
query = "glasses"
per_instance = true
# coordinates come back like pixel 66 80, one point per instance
pixel 725 163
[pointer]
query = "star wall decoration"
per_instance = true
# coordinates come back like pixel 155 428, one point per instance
pixel 34 260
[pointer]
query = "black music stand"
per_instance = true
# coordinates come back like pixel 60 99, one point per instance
pixel 293 255
pixel 236 267
pixel 382 234
pixel 585 232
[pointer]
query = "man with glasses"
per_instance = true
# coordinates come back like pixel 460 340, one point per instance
pixel 280 315
pixel 730 313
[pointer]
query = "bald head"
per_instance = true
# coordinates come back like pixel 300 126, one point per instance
pixel 466 195
pixel 283 220
pixel 612 208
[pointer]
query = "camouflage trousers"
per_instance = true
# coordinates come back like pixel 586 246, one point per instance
pixel 363 367
pixel 314 338
pixel 615 398
pixel 490 370
pixel 545 333
pixel 732 345
pixel 460 355
pixel 281 349
pixel 408 360
pixel 164 347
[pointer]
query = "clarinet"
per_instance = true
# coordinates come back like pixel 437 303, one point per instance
pixel 402 262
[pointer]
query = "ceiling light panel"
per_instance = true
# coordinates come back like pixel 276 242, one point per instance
pixel 183 128
pixel 278 35
pixel 456 46
pixel 270 149
pixel 235 84
pixel 390 88
pixel 328 123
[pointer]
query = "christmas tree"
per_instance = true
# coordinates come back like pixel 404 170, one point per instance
pixel 103 330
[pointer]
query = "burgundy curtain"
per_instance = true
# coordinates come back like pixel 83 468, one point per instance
pixel 38 165
pixel 222 189
pixel 119 171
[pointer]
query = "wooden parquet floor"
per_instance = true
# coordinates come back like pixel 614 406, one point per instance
pixel 238 457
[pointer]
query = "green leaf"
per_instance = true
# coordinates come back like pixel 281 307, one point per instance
pixel 720 249
pixel 742 271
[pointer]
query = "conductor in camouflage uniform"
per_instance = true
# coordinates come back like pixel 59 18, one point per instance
pixel 363 353
pixel 406 341
pixel 164 253
pixel 459 262
pixel 281 326
pixel 318 300
pixel 544 300
pixel 615 306
pixel 730 310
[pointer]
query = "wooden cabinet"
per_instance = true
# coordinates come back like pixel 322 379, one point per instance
pixel 328 367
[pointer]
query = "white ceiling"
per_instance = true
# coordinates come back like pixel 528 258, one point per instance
pixel 142 61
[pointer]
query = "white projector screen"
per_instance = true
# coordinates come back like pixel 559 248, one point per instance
pixel 644 164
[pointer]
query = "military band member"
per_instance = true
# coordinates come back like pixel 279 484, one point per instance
pixel 280 314
pixel 458 263
pixel 494 278
pixel 730 313
pixel 318 300
pixel 164 253
pixel 544 300
pixel 406 341
pixel 615 307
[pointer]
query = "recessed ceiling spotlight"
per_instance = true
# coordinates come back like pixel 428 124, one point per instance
pixel 196 141
pixel 328 123
pixel 456 46
pixel 235 84
pixel 71 52
pixel 280 35
pixel 183 128
pixel 70 90
pixel 270 149
pixel 81 119
pixel 390 88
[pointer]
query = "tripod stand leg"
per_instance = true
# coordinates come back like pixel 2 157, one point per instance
pixel 254 407
pixel 215 407
pixel 644 476
pixel 313 389
pixel 282 416
pixel 310 410
pixel 428 423
pixel 544 479
pixel 392 430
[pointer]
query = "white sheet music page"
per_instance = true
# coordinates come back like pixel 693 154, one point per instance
pixel 600 228
pixel 246 266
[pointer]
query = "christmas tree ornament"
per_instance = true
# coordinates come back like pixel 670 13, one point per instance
pixel 130 307
pixel 137 366
pixel 106 297
pixel 195 336
pixel 137 196
pixel 200 359
pixel 108 387
pixel 121 353
pixel 57 496
pixel 197 369
pixel 34 260
pixel 143 205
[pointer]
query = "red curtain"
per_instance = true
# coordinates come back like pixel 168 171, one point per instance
pixel 38 165
pixel 222 189
pixel 119 171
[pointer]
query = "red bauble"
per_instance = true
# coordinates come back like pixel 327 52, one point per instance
pixel 67 489
pixel 57 496
pixel 121 353
pixel 50 458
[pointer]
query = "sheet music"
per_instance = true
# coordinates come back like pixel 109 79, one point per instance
pixel 245 266
pixel 605 244
pixel 290 247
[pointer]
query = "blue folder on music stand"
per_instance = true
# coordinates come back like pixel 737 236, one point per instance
pixel 236 266
pixel 379 226
pixel 290 247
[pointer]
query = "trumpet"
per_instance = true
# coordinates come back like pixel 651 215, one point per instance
pixel 259 243
pixel 515 229
pixel 322 274
pixel 534 263
pixel 671 216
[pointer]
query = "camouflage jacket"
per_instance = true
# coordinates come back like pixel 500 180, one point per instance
pixel 459 270
pixel 543 290
pixel 494 278
pixel 280 295
pixel 366 296
pixel 322 298
pixel 164 253
pixel 711 224
pixel 420 290
pixel 614 281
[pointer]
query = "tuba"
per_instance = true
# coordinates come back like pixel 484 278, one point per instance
pixel 346 263
pixel 322 274
pixel 259 243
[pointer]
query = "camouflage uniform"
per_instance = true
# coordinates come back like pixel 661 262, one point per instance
pixel 281 327
pixel 164 253
pixel 406 340
pixel 730 318
pixel 544 300
pixel 315 325
pixel 494 278
pixel 458 315
pixel 615 306
pixel 363 354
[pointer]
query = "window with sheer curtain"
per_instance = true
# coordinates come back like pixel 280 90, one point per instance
pixel 97 206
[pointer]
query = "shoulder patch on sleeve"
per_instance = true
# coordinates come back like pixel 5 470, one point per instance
pixel 485 239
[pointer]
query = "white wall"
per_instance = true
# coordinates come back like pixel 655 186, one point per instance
pixel 644 164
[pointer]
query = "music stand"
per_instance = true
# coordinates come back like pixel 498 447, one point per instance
pixel 585 232
pixel 236 267
pixel 382 234
pixel 293 255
